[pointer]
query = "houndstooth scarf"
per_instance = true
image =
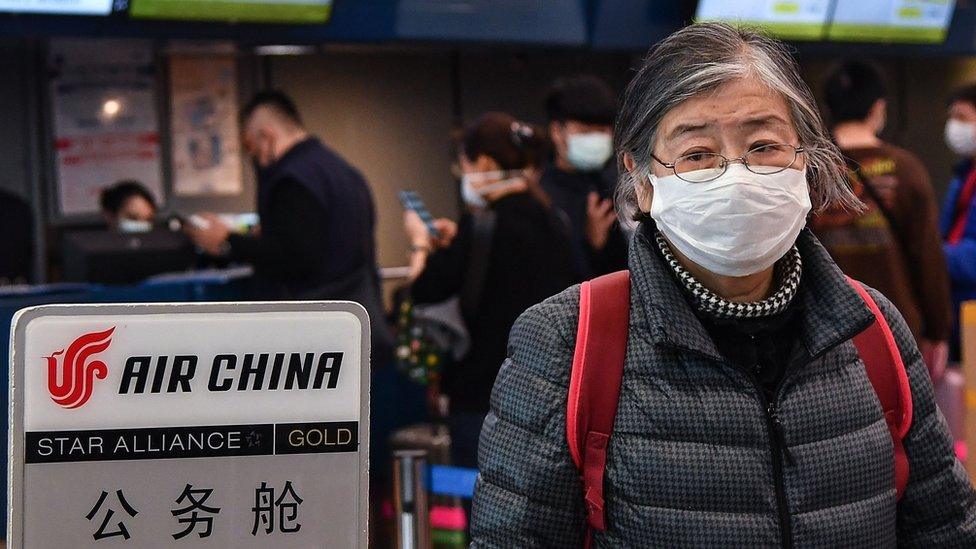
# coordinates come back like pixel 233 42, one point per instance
pixel 788 271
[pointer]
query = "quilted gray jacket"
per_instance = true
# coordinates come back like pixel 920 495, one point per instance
pixel 692 461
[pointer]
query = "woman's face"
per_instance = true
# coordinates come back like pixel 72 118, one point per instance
pixel 731 120
pixel 482 164
pixel 963 111
pixel 137 208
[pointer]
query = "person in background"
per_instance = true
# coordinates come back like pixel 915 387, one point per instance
pixel 893 245
pixel 959 209
pixel 514 244
pixel 16 249
pixel 128 207
pixel 316 239
pixel 580 179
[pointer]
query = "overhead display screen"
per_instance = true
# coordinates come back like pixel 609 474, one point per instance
pixel 915 21
pixel 59 7
pixel 244 11
pixel 791 19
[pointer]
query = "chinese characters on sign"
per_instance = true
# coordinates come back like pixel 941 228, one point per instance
pixel 190 494
pixel 287 505
pixel 195 515
pixel 121 530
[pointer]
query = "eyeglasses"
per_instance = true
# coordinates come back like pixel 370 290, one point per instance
pixel 701 167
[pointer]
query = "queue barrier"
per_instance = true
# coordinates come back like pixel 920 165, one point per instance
pixel 427 501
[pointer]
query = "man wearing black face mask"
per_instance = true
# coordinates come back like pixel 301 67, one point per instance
pixel 316 238
pixel 582 175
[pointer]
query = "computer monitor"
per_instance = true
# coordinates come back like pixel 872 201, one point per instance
pixel 892 21
pixel 108 257
pixel 789 19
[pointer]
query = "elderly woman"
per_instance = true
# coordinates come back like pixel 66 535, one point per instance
pixel 745 415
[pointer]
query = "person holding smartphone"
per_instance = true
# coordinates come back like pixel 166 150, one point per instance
pixel 316 238
pixel 510 241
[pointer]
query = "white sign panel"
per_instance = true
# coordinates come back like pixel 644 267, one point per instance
pixel 73 7
pixel 198 425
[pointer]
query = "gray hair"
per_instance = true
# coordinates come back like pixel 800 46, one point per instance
pixel 698 59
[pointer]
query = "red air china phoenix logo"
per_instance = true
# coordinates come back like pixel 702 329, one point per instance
pixel 71 382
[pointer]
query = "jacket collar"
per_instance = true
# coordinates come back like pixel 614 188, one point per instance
pixel 831 313
pixel 961 169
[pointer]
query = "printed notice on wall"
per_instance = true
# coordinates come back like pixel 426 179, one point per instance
pixel 190 425
pixel 105 124
pixel 205 131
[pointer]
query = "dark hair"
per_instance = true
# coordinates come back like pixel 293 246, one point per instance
pixel 584 98
pixel 966 94
pixel 514 145
pixel 114 197
pixel 852 89
pixel 275 100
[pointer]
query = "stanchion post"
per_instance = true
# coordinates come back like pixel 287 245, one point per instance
pixel 967 329
pixel 410 499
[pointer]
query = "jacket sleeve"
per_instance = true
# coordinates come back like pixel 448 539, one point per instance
pixel 289 238
pixel 918 223
pixel 528 493
pixel 443 275
pixel 938 508
pixel 961 260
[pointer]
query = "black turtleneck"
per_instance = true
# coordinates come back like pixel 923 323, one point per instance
pixel 762 347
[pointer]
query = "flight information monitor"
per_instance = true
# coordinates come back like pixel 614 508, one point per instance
pixel 58 7
pixel 243 11
pixel 913 21
pixel 791 19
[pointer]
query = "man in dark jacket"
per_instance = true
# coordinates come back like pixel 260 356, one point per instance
pixel 317 218
pixel 580 179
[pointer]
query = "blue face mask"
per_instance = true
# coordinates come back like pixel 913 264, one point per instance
pixel 590 151
pixel 134 226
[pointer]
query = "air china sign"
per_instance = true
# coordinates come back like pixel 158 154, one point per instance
pixel 73 374
pixel 107 398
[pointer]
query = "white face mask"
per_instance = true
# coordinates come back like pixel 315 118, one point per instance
pixel 134 226
pixel 588 152
pixel 961 137
pixel 739 224
pixel 475 197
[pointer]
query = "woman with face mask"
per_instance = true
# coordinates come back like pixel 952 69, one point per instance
pixel 745 414
pixel 508 252
pixel 959 209
pixel 128 207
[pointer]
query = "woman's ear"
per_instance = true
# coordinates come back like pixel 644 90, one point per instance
pixel 645 194
pixel 642 187
pixel 629 163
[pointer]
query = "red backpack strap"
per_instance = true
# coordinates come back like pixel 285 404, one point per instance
pixel 594 386
pixel 882 360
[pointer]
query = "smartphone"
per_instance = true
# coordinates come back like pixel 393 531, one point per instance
pixel 410 200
